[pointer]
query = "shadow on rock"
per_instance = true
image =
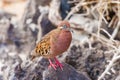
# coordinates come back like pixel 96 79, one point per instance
pixel 68 73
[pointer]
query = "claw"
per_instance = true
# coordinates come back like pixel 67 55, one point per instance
pixel 58 64
pixel 52 65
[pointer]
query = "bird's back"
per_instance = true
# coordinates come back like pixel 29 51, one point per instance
pixel 44 45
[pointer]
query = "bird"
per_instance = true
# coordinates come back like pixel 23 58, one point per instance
pixel 53 44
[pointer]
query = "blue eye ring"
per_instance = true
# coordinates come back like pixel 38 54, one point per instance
pixel 64 26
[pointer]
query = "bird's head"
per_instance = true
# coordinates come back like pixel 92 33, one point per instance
pixel 64 25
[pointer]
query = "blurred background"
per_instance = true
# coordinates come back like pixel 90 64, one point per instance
pixel 94 52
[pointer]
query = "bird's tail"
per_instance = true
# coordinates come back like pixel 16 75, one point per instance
pixel 32 55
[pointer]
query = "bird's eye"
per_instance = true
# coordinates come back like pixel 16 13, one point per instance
pixel 64 26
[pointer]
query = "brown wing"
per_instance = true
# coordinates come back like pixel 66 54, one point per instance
pixel 43 47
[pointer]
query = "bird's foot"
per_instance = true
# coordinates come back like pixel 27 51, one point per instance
pixel 52 65
pixel 58 64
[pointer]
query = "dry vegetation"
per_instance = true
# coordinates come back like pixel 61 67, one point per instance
pixel 108 12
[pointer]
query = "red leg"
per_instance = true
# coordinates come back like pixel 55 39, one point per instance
pixel 58 63
pixel 51 64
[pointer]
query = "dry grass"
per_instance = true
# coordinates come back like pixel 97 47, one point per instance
pixel 108 11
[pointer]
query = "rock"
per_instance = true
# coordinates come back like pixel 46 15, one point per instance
pixel 68 73
pixel 43 2
pixel 46 25
pixel 91 61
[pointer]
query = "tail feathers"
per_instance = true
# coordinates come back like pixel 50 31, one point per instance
pixel 32 55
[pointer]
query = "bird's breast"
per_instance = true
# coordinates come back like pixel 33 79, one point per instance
pixel 62 43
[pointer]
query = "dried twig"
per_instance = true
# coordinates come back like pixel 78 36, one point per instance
pixel 77 7
pixel 115 31
pixel 106 32
pixel 115 57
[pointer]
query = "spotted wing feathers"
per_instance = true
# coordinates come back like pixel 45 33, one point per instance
pixel 43 47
